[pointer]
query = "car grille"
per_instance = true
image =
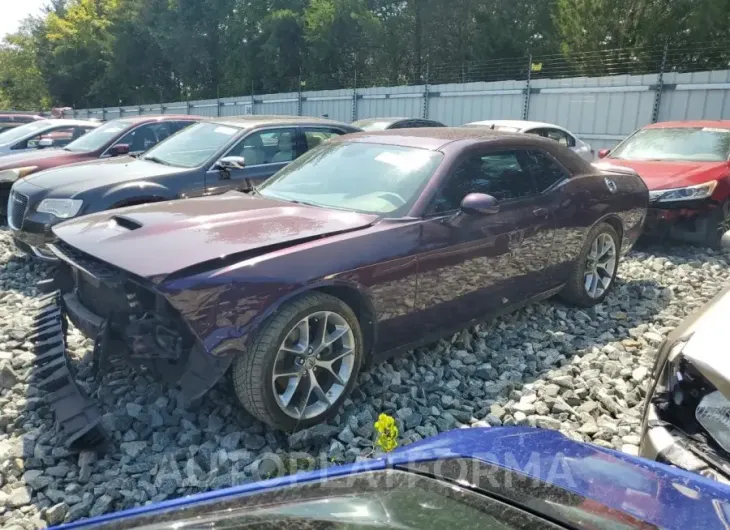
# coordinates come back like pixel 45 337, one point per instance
pixel 108 291
pixel 17 206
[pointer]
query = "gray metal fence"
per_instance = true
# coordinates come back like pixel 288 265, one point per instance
pixel 601 110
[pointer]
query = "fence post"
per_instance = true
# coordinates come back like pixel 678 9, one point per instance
pixel 426 95
pixel 526 101
pixel 218 100
pixel 253 100
pixel 187 105
pixel 299 96
pixel 353 110
pixel 660 84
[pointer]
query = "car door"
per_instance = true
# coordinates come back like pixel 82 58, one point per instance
pixel 264 151
pixel 471 265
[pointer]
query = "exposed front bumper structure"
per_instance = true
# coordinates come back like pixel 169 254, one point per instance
pixel 685 221
pixel 78 418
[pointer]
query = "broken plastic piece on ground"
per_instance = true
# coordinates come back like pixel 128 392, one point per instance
pixel 78 418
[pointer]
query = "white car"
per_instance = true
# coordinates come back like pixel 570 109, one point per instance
pixel 548 130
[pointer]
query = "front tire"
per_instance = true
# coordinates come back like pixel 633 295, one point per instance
pixel 594 271
pixel 718 222
pixel 302 364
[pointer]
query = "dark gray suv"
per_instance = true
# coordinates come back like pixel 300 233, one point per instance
pixel 207 158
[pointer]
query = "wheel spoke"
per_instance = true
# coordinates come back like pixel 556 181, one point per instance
pixel 302 328
pixel 305 395
pixel 291 388
pixel 321 331
pixel 336 334
pixel 316 389
pixel 329 365
pixel 593 254
pixel 594 285
pixel 588 280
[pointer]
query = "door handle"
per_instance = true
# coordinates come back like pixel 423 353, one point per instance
pixel 540 212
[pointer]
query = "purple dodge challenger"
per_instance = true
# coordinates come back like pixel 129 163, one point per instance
pixel 369 245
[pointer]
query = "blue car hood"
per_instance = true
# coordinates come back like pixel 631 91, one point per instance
pixel 648 491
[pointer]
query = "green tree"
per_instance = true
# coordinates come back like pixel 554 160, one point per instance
pixel 21 85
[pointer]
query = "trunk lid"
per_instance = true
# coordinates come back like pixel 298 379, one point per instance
pixel 155 240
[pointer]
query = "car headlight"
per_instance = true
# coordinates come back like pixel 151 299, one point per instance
pixel 61 208
pixel 700 191
pixel 11 175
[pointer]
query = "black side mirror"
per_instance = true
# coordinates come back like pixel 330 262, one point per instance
pixel 479 204
pixel 119 150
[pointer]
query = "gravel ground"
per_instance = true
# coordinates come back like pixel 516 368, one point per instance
pixel 584 372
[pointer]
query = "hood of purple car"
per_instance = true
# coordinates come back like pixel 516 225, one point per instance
pixel 154 240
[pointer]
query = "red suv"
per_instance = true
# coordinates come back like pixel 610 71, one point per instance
pixel 685 166
pixel 123 136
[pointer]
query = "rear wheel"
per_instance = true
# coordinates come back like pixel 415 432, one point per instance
pixel 595 269
pixel 302 364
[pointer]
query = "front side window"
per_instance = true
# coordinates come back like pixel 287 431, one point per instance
pixel 504 175
pixel 22 131
pixel 700 144
pixel 194 146
pixel 316 136
pixel 364 177
pixel 100 136
pixel 60 137
pixel 142 138
pixel 267 147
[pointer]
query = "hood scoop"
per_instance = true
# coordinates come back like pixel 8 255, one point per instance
pixel 126 222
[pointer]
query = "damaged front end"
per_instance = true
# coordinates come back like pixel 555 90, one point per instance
pixel 128 319
pixel 687 411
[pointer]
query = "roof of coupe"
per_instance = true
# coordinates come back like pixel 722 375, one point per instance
pixel 250 122
pixel 517 124
pixel 431 138
pixel 436 138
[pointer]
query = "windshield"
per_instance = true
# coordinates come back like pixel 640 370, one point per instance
pixel 694 144
pixel 372 124
pixel 364 177
pixel 193 146
pixel 99 137
pixel 22 131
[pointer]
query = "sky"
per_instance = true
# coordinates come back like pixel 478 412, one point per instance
pixel 12 12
